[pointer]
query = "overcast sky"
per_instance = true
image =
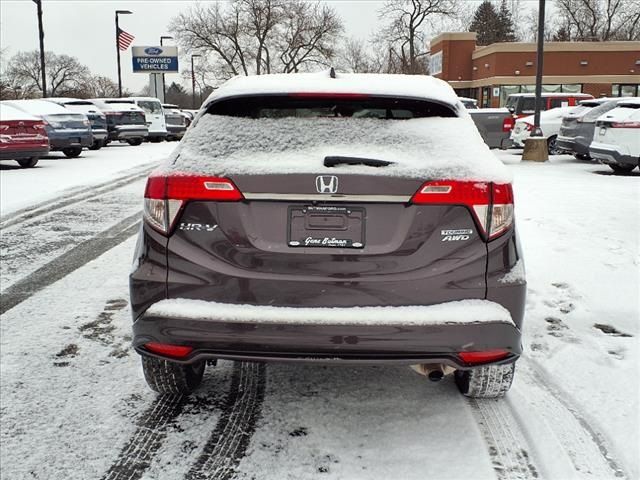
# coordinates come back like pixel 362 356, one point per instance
pixel 86 29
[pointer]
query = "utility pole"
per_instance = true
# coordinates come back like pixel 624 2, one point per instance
pixel 193 82
pixel 164 90
pixel 537 132
pixel 41 35
pixel 118 12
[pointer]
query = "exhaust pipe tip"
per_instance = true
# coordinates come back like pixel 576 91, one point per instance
pixel 435 375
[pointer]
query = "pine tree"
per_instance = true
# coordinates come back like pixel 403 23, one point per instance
pixel 505 24
pixel 485 23
pixel 493 25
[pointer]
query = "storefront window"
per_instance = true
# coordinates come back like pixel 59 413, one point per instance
pixel 551 88
pixel 571 88
pixel 629 90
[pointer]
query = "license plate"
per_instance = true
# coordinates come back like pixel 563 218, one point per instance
pixel 326 227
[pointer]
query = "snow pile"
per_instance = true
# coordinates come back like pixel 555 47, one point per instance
pixel 460 312
pixel 425 148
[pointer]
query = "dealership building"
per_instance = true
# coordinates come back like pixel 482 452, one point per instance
pixel 491 73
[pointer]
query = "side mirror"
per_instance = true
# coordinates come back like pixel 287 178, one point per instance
pixel 512 109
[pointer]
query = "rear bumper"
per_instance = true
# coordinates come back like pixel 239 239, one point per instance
pixel 128 133
pixel 79 140
pixel 402 339
pixel 14 153
pixel 608 154
pixel 565 144
pixel 176 130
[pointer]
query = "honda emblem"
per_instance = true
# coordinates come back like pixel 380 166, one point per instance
pixel 327 184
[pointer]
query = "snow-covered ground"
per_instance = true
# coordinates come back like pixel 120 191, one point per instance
pixel 22 187
pixel 74 404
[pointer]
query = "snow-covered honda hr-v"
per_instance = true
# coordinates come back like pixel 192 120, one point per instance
pixel 330 218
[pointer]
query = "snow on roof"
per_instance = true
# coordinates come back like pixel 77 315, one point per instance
pixel 115 106
pixel 8 113
pixel 424 148
pixel 550 114
pixel 629 101
pixel 38 107
pixel 551 94
pixel 420 86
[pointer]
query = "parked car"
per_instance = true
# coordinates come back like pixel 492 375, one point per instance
pixel 68 131
pixel 469 103
pixel 23 137
pixel 616 140
pixel 155 117
pixel 494 124
pixel 97 119
pixel 126 121
pixel 176 121
pixel 576 131
pixel 550 122
pixel 523 104
pixel 338 218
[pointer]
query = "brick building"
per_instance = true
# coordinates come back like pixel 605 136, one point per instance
pixel 492 72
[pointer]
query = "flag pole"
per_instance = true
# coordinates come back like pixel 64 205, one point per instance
pixel 118 49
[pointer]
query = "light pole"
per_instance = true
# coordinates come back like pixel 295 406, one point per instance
pixel 41 35
pixel 537 132
pixel 119 12
pixel 164 90
pixel 193 82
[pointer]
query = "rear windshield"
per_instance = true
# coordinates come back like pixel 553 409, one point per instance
pixel 285 135
pixel 150 106
pixel 599 110
pixel 363 107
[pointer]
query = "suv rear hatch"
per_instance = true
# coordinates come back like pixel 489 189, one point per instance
pixel 321 216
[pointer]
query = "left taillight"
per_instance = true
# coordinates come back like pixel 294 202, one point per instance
pixel 166 195
pixel 490 203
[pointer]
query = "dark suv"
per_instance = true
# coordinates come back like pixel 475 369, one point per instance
pixel 330 218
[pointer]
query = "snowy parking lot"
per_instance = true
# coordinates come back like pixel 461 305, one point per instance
pixel 75 405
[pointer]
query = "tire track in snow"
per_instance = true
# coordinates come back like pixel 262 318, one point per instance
pixel 508 448
pixel 136 456
pixel 584 446
pixel 230 439
pixel 68 262
pixel 75 196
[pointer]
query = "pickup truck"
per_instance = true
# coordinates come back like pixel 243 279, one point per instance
pixel 494 124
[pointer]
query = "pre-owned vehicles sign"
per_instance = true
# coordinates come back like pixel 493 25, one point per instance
pixel 155 59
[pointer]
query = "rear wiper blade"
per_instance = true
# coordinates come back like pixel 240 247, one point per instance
pixel 332 161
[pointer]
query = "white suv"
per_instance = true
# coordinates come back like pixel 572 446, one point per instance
pixel 155 117
pixel 616 140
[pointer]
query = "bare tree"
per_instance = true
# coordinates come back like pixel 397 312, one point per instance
pixel 98 86
pixel 356 57
pixel 404 34
pixel 599 20
pixel 258 36
pixel 64 73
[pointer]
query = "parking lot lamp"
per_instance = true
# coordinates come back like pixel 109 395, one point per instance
pixel 193 81
pixel 119 12
pixel 537 132
pixel 41 36
pixel 164 90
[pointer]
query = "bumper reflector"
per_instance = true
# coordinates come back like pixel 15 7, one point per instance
pixel 173 351
pixel 475 358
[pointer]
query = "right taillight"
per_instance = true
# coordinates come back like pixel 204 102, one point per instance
pixel 625 125
pixel 166 195
pixel 490 203
pixel 508 124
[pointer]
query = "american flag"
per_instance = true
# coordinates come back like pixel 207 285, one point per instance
pixel 124 39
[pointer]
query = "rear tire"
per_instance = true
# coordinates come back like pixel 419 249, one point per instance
pixel 97 145
pixel 72 152
pixel 552 147
pixel 155 139
pixel 490 381
pixel 622 168
pixel 168 377
pixel 28 162
pixel 135 142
